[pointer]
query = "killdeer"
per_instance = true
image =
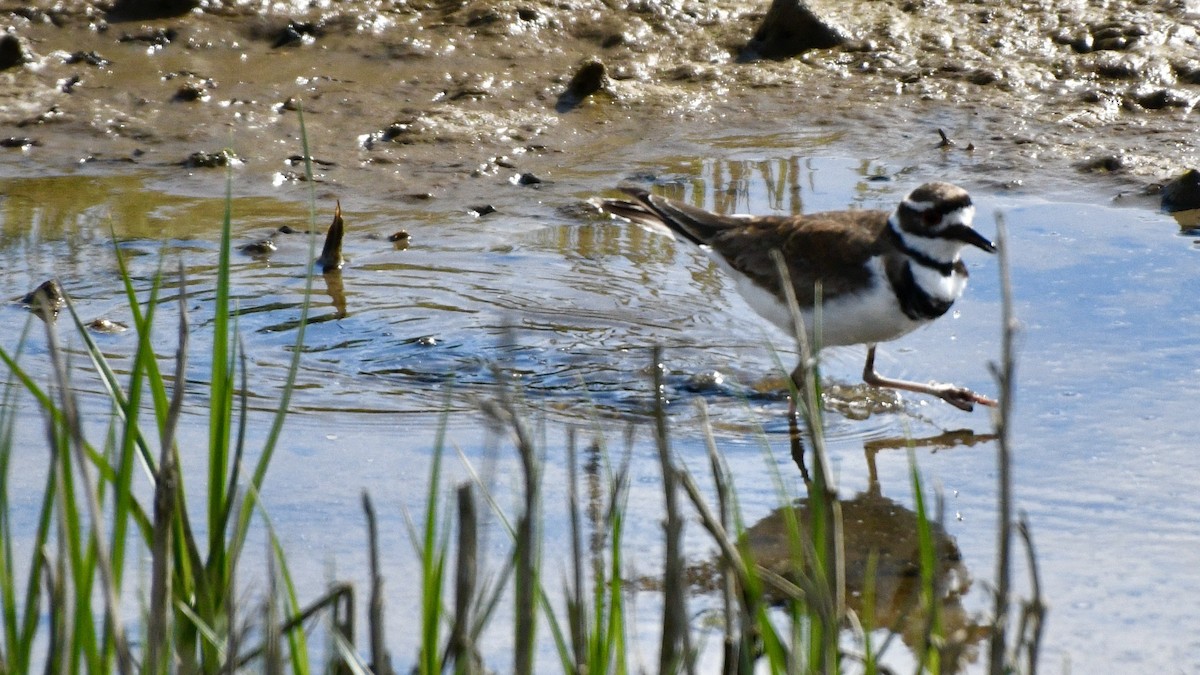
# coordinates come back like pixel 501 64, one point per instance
pixel 882 274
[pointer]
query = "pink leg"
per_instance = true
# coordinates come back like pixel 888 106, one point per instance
pixel 959 397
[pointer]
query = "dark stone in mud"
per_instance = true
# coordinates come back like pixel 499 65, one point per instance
pixel 90 58
pixel 12 52
pixel 1118 68
pixel 210 160
pixel 18 142
pixel 190 92
pixel 401 235
pixel 1160 98
pixel 297 33
pixel 591 77
pixel 790 28
pixel 1112 36
pixel 983 77
pixel 1183 193
pixel 526 179
pixel 481 210
pixel 159 37
pixel 1105 164
pixel 133 10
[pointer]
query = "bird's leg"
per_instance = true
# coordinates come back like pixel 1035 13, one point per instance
pixel 796 441
pixel 959 397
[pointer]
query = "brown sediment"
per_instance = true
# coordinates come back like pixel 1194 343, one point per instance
pixel 417 98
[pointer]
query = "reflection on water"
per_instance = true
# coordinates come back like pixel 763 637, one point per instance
pixel 880 533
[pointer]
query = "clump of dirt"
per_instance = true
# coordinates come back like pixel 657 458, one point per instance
pixel 414 97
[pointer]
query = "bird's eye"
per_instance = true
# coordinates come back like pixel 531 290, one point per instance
pixel 931 218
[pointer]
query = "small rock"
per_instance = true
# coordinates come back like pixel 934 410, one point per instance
pixel 261 247
pixel 297 33
pixel 107 326
pixel 1118 68
pixel 709 381
pixel 21 142
pixel 401 235
pixel 983 77
pixel 1083 44
pixel 590 78
pixel 1111 44
pixel 1188 71
pixel 790 28
pixel 525 179
pixel 189 92
pixel 481 210
pixel 1158 99
pixel 1183 193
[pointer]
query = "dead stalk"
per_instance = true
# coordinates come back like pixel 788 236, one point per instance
pixel 462 645
pixel 673 654
pixel 1001 419
pixel 381 662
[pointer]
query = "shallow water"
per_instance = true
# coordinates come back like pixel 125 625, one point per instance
pixel 570 304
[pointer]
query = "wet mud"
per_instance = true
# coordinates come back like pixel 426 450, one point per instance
pixel 411 100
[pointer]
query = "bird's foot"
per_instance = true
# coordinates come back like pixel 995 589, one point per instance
pixel 960 397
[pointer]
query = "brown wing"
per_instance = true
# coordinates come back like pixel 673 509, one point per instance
pixel 832 248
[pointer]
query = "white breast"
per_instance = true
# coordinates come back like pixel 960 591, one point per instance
pixel 869 316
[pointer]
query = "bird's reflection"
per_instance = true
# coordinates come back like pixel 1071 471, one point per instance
pixel 881 534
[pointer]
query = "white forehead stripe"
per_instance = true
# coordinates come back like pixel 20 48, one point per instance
pixel 919 207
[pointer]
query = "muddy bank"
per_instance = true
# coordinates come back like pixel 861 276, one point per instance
pixel 410 100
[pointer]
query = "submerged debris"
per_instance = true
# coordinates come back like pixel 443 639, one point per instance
pixel 331 254
pixel 107 326
pixel 46 300
pixel 259 248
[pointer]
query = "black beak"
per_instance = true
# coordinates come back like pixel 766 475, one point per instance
pixel 968 235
